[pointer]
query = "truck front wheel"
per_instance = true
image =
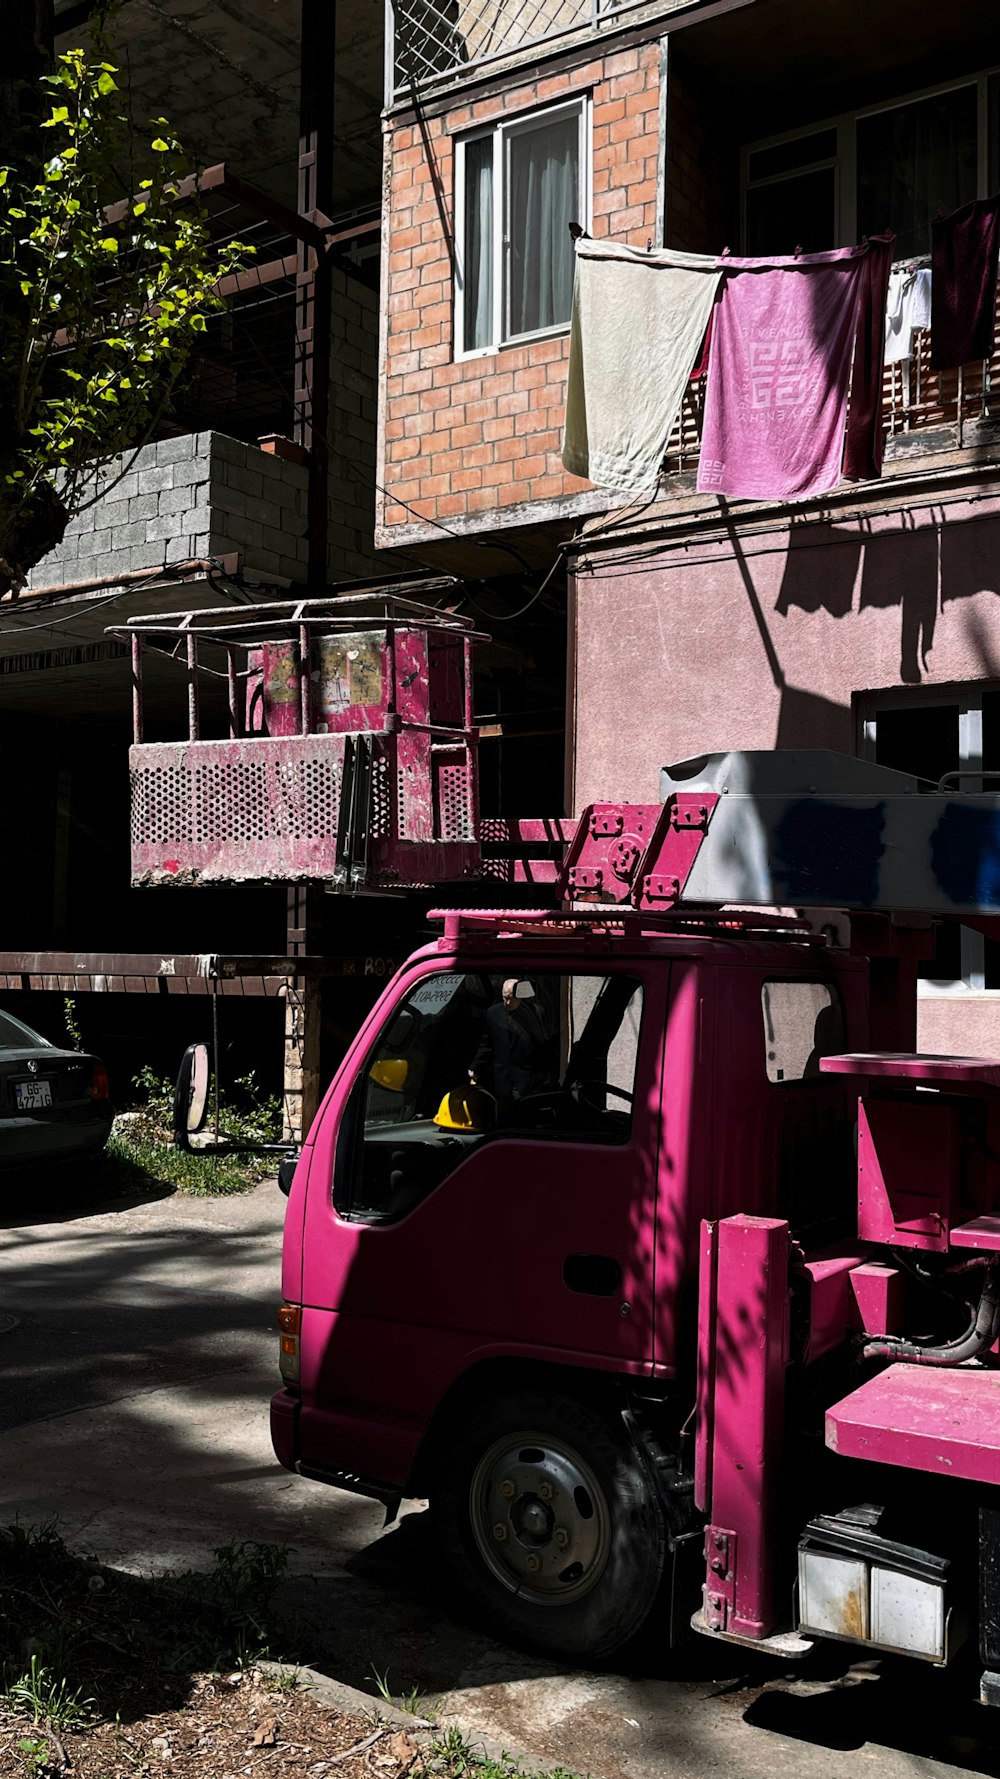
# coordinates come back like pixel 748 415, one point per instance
pixel 551 1523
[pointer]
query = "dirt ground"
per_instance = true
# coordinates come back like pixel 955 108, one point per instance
pixel 232 1725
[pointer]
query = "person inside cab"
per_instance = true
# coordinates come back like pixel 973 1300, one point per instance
pixel 513 1059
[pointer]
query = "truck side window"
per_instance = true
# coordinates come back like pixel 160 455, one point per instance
pixel 802 1022
pixel 469 1057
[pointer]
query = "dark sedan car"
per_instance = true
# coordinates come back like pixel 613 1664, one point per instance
pixel 54 1104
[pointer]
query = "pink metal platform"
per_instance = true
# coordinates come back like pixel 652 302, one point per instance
pixel 927 1418
pixel 898 1065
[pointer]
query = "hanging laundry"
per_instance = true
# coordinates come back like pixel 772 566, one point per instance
pixel 908 307
pixel 865 441
pixel 700 366
pixel 638 321
pixel 964 249
pixel 782 347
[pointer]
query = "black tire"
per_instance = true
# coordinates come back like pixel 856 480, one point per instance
pixel 597 1603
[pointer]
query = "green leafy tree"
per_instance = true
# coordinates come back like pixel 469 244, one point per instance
pixel 100 307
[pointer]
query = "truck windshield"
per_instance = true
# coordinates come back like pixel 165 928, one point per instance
pixel 468 1057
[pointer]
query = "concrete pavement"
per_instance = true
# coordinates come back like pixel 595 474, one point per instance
pixel 133 1406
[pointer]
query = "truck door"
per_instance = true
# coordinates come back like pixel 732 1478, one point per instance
pixel 451 1219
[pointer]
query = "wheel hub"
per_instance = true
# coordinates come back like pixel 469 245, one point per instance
pixel 540 1518
pixel 536 1522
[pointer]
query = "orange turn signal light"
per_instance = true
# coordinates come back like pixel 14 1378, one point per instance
pixel 290 1327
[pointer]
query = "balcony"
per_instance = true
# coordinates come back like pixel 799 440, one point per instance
pixel 925 412
pixel 435 42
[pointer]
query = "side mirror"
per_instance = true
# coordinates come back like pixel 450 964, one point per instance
pixel 286 1172
pixel 191 1095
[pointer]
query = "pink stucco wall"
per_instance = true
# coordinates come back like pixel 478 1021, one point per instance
pixel 762 637
pixel 709 639
pixel 960 1024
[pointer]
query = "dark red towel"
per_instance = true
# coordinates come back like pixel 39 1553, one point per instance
pixel 964 253
pixel 864 441
pixel 701 362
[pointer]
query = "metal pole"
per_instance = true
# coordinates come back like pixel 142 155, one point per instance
pixel 467 669
pixel 305 682
pixel 234 696
pixel 215 1053
pixel 313 333
pixel 136 690
pixel 192 671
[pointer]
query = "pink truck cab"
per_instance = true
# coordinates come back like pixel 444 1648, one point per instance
pixel 491 1290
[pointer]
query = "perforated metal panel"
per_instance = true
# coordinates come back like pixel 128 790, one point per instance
pixel 380 819
pixel 456 806
pixel 268 808
pixel 230 802
pixel 161 806
pixel 228 811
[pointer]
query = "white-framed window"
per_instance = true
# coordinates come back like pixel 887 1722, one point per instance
pixel 950 730
pixel 519 183
pixel 895 165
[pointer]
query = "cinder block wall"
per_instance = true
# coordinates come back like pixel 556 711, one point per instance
pixel 462 440
pixel 200 495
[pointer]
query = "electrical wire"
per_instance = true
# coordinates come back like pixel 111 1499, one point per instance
pixel 508 617
pixel 96 605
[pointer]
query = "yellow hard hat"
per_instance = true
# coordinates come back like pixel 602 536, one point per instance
pixel 390 1073
pixel 466 1108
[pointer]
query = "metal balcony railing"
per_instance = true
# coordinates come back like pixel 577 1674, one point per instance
pixel 430 42
pixel 916 401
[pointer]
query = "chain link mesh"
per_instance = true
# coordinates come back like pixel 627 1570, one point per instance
pixel 434 39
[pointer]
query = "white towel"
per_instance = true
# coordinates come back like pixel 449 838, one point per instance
pixel 908 306
pixel 638 321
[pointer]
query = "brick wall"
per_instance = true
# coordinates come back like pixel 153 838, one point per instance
pixel 200 495
pixel 462 440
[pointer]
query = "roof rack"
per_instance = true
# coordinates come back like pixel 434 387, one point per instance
pixel 611 920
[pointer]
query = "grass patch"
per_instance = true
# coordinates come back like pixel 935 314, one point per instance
pixel 132 1161
pixel 141 1148
pixel 412 1700
pixel 452 1754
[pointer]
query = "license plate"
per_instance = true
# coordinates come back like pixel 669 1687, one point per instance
pixel 32 1096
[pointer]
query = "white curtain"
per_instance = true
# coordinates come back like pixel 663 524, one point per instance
pixel 478 328
pixel 543 200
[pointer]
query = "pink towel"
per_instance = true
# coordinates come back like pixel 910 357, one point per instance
pixel 779 374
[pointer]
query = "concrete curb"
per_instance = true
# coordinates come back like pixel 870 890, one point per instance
pixel 349 1699
pixel 352 1701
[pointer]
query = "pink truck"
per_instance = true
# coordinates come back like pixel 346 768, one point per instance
pixel 632 1230
pixel 645 1246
